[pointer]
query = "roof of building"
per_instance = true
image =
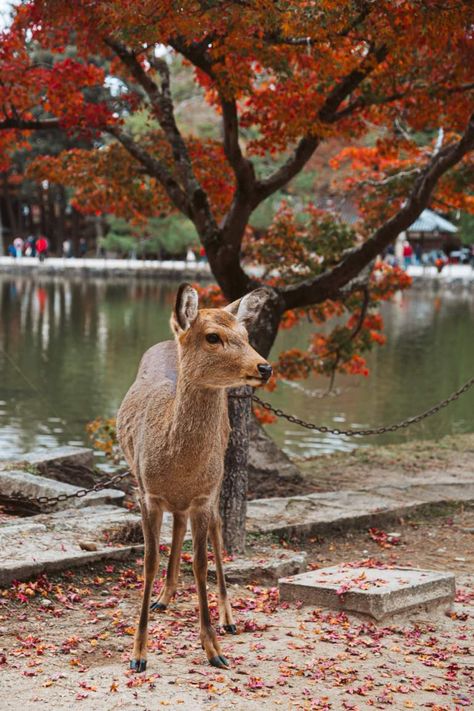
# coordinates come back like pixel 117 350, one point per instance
pixel 429 221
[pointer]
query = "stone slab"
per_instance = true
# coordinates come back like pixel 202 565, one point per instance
pixel 54 562
pixel 333 511
pixel 26 484
pixel 52 542
pixel 376 592
pixel 266 568
pixel 80 456
pixel 55 541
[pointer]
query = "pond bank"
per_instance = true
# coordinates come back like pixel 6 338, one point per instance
pixel 452 275
pixel 172 268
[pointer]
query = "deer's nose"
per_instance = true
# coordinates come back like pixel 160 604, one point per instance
pixel 265 370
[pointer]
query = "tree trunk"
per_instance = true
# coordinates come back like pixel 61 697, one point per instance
pixel 233 503
pixel 11 217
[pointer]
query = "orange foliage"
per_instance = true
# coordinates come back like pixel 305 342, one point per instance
pixel 284 64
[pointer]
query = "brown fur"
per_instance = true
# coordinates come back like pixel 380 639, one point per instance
pixel 173 428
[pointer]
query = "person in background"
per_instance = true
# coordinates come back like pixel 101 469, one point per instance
pixel 407 254
pixel 82 247
pixel 11 250
pixel 30 250
pixel 67 248
pixel 18 244
pixel 42 247
pixel 418 254
pixel 190 256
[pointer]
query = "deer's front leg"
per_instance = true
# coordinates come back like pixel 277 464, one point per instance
pixel 151 523
pixel 200 527
pixel 226 619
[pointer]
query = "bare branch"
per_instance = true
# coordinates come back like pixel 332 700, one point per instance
pixel 328 284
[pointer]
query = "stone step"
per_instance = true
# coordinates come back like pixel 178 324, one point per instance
pixel 26 484
pixel 265 568
pixel 376 592
pixel 71 538
pixel 327 512
pixel 52 542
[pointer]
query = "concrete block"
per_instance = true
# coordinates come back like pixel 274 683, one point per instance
pixel 54 561
pixel 266 568
pixel 79 456
pixel 54 542
pixel 376 592
pixel 26 484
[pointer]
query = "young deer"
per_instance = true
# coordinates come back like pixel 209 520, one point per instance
pixel 173 428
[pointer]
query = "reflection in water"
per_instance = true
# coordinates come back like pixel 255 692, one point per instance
pixel 70 349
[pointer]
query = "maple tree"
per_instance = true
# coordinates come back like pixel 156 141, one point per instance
pixel 284 78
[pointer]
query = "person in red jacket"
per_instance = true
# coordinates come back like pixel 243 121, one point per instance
pixel 407 254
pixel 42 247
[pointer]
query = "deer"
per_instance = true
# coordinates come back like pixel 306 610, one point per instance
pixel 173 428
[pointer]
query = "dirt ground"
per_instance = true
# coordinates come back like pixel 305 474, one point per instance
pixel 65 642
pixel 361 467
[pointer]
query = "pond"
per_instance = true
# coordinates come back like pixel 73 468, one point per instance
pixel 69 349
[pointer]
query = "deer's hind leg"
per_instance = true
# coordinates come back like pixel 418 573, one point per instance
pixel 226 619
pixel 180 522
pixel 151 522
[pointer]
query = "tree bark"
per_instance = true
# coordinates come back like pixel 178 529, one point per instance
pixel 233 502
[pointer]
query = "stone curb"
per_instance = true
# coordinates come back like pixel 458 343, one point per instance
pixel 339 511
pixel 25 571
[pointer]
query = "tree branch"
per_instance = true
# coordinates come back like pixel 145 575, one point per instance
pixel 161 102
pixel 29 124
pixel 242 167
pixel 327 114
pixel 328 284
pixel 154 168
pixel 275 38
pixel 361 103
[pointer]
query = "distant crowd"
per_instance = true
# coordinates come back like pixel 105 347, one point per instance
pixel 33 246
pixel 434 257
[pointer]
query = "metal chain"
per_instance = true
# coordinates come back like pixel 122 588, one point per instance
pixel 363 433
pixel 51 500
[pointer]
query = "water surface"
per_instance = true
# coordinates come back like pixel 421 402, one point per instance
pixel 69 349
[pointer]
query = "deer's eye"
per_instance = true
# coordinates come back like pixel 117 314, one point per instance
pixel 212 338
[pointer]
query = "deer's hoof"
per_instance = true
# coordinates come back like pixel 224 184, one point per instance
pixel 158 606
pixel 138 665
pixel 230 629
pixel 220 662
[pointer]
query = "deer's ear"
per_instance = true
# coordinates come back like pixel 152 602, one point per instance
pixel 185 309
pixel 247 309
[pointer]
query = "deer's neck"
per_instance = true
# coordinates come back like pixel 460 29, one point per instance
pixel 197 413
